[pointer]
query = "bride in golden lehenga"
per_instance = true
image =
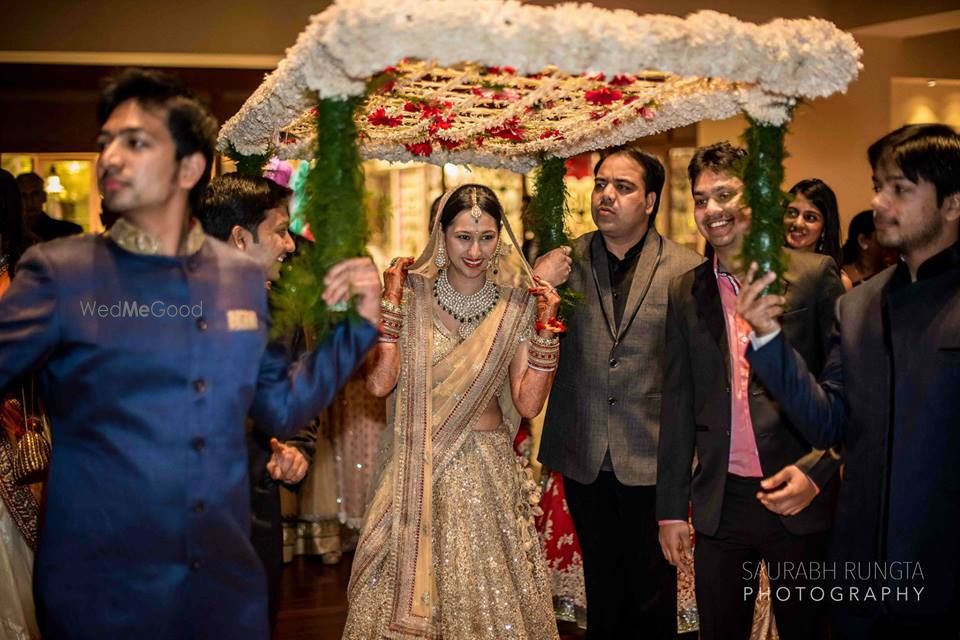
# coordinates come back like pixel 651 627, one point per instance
pixel 448 549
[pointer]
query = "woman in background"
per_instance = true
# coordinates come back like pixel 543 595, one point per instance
pixel 812 222
pixel 863 257
pixel 19 504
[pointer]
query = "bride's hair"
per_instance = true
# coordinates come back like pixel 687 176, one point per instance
pixel 465 197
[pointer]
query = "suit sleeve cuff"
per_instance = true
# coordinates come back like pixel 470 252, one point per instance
pixel 758 342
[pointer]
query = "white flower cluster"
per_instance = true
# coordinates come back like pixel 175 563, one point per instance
pixel 772 64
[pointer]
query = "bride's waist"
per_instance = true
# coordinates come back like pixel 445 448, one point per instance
pixel 489 420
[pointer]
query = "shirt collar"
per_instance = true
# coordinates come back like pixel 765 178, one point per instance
pixel 132 238
pixel 718 272
pixel 631 253
pixel 934 266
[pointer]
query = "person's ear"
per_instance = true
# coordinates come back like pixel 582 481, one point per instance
pixel 951 207
pixel 651 202
pixel 240 237
pixel 192 168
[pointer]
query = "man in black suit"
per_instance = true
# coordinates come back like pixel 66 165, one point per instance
pixel 35 219
pixel 760 491
pixel 889 395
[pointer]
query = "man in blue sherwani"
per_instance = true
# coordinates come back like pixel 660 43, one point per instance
pixel 150 343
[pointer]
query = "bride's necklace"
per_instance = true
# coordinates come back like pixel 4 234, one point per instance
pixel 470 310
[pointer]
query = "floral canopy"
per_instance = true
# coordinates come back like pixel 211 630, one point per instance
pixel 502 84
pixel 498 83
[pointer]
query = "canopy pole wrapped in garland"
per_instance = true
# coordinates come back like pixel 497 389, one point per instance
pixel 547 213
pixel 333 207
pixel 762 178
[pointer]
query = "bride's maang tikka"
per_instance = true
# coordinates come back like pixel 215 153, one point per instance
pixel 475 210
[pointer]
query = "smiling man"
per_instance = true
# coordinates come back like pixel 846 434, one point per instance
pixel 602 422
pixel 251 213
pixel 889 396
pixel 147 521
pixel 760 491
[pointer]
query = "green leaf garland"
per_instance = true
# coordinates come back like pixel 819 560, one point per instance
pixel 762 178
pixel 547 213
pixel 333 208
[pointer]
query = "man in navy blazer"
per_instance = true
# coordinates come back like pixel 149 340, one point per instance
pixel 889 395
pixel 150 343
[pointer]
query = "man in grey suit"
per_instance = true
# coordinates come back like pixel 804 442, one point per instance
pixel 602 422
pixel 759 490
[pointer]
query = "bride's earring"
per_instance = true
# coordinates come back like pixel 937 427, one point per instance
pixel 441 258
pixel 493 268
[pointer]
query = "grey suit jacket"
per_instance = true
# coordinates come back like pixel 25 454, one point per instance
pixel 695 416
pixel 608 384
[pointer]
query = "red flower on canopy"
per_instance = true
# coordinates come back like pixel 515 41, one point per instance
pixel 431 109
pixel 422 149
pixel 380 118
pixel 622 80
pixel 552 133
pixel 646 113
pixel 509 130
pixel 629 99
pixel 603 95
pixel 449 145
pixel 504 70
pixel 411 107
pixel 440 122
pixel 596 115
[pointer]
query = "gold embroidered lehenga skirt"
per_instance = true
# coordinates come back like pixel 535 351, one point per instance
pixel 491 579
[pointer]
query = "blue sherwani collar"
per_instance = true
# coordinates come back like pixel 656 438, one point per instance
pixel 132 238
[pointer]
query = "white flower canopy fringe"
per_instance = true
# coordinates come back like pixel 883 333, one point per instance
pixel 498 83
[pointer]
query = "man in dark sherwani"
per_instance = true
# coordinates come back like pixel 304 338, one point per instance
pixel 889 396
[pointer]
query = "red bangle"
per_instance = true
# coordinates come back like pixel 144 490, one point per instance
pixel 553 325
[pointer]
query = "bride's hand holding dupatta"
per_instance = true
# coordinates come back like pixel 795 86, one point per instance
pixel 383 364
pixel 535 363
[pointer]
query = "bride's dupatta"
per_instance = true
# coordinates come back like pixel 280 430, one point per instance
pixel 431 412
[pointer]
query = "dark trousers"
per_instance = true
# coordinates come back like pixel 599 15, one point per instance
pixel 631 589
pixel 848 624
pixel 727 565
pixel 266 535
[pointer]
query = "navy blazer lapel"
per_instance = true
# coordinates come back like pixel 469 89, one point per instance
pixel 601 279
pixel 647 264
pixel 709 306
